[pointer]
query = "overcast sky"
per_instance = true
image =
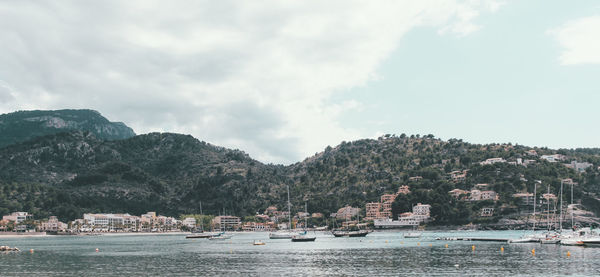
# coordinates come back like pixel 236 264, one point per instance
pixel 281 80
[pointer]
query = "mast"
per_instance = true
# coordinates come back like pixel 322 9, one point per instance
pixel 201 217
pixel 305 217
pixel 548 209
pixel 534 201
pixel 561 205
pixel 572 223
pixel 289 209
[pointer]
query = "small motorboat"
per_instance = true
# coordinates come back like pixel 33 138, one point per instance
pixel 410 235
pixel 220 237
pixel 258 242
pixel 303 238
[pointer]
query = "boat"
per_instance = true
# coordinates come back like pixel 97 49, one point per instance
pixel 287 234
pixel 258 242
pixel 526 239
pixel 282 235
pixel 5 248
pixel 303 238
pixel 220 237
pixel 199 236
pixel 348 233
pixel 412 235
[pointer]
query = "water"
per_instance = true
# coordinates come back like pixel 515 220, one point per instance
pixel 378 254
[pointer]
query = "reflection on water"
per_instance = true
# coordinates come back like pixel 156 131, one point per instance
pixel 380 253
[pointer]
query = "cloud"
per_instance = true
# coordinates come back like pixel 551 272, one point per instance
pixel 253 75
pixel 580 40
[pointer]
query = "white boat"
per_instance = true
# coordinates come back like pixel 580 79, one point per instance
pixel 259 242
pixel 221 237
pixel 282 235
pixel 581 237
pixel 412 235
pixel 528 238
pixel 285 234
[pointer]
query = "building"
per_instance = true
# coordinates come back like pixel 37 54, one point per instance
pixel 456 193
pixel 553 158
pixel 419 214
pixel 53 225
pixel 527 199
pixel 482 186
pixel 259 226
pixel 415 179
pixel 531 152
pixel 18 217
pixel 489 195
pixel 110 222
pixel 189 222
pixel 492 161
pixel 403 190
pixel 347 213
pixel 579 167
pixel 271 210
pixel 458 176
pixel 373 210
pixel 227 222
pixel 485 212
pixel 317 215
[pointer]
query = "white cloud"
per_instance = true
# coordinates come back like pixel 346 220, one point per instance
pixel 580 40
pixel 252 75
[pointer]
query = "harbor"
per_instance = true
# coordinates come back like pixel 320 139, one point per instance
pixel 253 253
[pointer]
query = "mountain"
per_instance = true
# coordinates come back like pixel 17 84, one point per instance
pixel 67 174
pixel 24 125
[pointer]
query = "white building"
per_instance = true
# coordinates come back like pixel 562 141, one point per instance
pixel 493 161
pixel 227 222
pixel 53 225
pixel 18 217
pixel 189 222
pixel 553 158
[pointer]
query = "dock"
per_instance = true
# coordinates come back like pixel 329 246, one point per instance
pixel 473 239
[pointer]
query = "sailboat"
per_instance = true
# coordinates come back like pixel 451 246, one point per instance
pixel 350 233
pixel 288 234
pixel 530 237
pixel 304 237
pixel 200 234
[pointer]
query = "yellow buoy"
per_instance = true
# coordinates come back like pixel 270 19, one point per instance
pixel 473 247
pixel 533 251
pixel 568 254
pixel 446 245
pixel 386 241
pixel 430 245
pixel 30 250
pixel 418 243
pixel 501 248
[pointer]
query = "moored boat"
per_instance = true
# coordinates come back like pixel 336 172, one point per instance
pixel 412 235
pixel 303 238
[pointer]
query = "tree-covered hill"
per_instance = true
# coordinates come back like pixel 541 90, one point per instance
pixel 24 125
pixel 67 174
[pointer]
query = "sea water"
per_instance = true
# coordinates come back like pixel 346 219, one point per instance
pixel 378 254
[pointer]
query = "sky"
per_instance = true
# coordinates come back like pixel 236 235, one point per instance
pixel 282 80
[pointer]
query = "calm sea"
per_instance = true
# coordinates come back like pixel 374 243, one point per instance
pixel 379 254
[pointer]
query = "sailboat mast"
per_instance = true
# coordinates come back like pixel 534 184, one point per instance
pixel 548 209
pixel 305 215
pixel 561 206
pixel 572 223
pixel 289 209
pixel 534 202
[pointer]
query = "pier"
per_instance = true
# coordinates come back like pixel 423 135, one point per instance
pixel 473 239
